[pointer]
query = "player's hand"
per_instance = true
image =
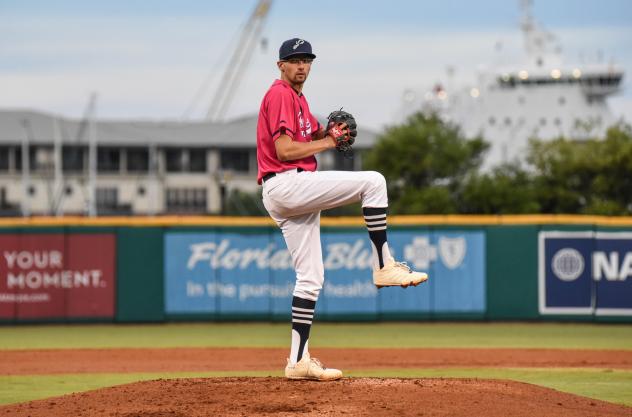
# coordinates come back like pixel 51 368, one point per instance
pixel 342 126
pixel 338 132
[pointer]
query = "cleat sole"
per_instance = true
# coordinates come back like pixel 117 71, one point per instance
pixel 403 285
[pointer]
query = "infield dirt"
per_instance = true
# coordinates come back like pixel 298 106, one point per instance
pixel 349 396
pixel 277 396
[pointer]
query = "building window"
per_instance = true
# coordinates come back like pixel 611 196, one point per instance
pixel 186 200
pixel 107 198
pixel 197 160
pixel 72 158
pixel 186 160
pixel 235 160
pixel 7 208
pixel 341 163
pixel 108 160
pixel 18 158
pixel 137 160
pixel 4 158
pixel 40 158
pixel 175 160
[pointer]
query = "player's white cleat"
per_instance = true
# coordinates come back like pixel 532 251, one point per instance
pixel 311 368
pixel 397 274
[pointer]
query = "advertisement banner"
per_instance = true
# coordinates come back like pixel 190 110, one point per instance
pixel 455 262
pixel 251 273
pixel 227 273
pixel 57 276
pixel 585 273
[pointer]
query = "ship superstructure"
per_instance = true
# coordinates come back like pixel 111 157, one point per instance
pixel 543 97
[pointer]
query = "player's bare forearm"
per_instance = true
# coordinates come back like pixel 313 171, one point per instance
pixel 290 150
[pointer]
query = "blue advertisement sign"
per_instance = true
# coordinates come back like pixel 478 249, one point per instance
pixel 455 262
pixel 227 273
pixel 348 287
pixel 189 286
pixel 585 273
pixel 251 273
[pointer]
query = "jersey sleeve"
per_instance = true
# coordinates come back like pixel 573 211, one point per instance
pixel 281 112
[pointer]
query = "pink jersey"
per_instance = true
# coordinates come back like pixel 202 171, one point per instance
pixel 283 111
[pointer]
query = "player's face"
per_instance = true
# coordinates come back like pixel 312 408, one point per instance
pixel 295 69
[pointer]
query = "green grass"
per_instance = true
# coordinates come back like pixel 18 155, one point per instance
pixel 607 385
pixel 385 335
pixel 20 388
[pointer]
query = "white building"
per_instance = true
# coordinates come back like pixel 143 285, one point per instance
pixel 142 167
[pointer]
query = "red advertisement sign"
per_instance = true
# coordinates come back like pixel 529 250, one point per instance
pixel 48 276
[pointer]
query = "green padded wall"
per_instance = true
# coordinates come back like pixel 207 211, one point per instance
pixel 512 272
pixel 140 295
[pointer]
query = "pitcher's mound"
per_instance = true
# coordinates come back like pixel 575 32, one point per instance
pixel 349 396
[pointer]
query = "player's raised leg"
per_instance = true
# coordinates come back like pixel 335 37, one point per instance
pixel 308 191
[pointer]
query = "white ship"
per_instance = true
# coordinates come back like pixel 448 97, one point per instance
pixel 544 97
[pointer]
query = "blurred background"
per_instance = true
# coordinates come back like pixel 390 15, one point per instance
pixel 147 108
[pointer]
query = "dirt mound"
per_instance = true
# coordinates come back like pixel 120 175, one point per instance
pixel 65 361
pixel 349 396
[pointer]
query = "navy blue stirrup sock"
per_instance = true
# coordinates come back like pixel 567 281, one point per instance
pixel 302 316
pixel 375 218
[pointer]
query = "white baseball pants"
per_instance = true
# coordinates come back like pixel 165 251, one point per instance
pixel 294 201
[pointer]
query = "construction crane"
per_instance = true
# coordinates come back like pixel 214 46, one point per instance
pixel 239 61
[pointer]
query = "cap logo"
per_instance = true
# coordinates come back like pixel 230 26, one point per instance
pixel 298 42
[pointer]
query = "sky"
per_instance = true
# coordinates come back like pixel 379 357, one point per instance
pixel 150 59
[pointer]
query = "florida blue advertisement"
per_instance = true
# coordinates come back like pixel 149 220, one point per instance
pixel 251 273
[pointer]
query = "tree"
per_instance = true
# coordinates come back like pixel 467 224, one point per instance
pixel 590 177
pixel 241 203
pixel 431 168
pixel 424 161
pixel 506 189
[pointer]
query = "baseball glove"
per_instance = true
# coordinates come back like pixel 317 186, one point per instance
pixel 344 137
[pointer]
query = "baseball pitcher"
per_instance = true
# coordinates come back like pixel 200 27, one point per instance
pixel 294 193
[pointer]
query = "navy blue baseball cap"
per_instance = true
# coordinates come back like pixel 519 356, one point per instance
pixel 295 46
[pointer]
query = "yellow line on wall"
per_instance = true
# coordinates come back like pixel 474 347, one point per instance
pixel 414 220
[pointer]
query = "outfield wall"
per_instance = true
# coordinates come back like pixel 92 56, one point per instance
pixel 576 268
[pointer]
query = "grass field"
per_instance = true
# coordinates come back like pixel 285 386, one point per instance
pixel 605 384
pixel 383 335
